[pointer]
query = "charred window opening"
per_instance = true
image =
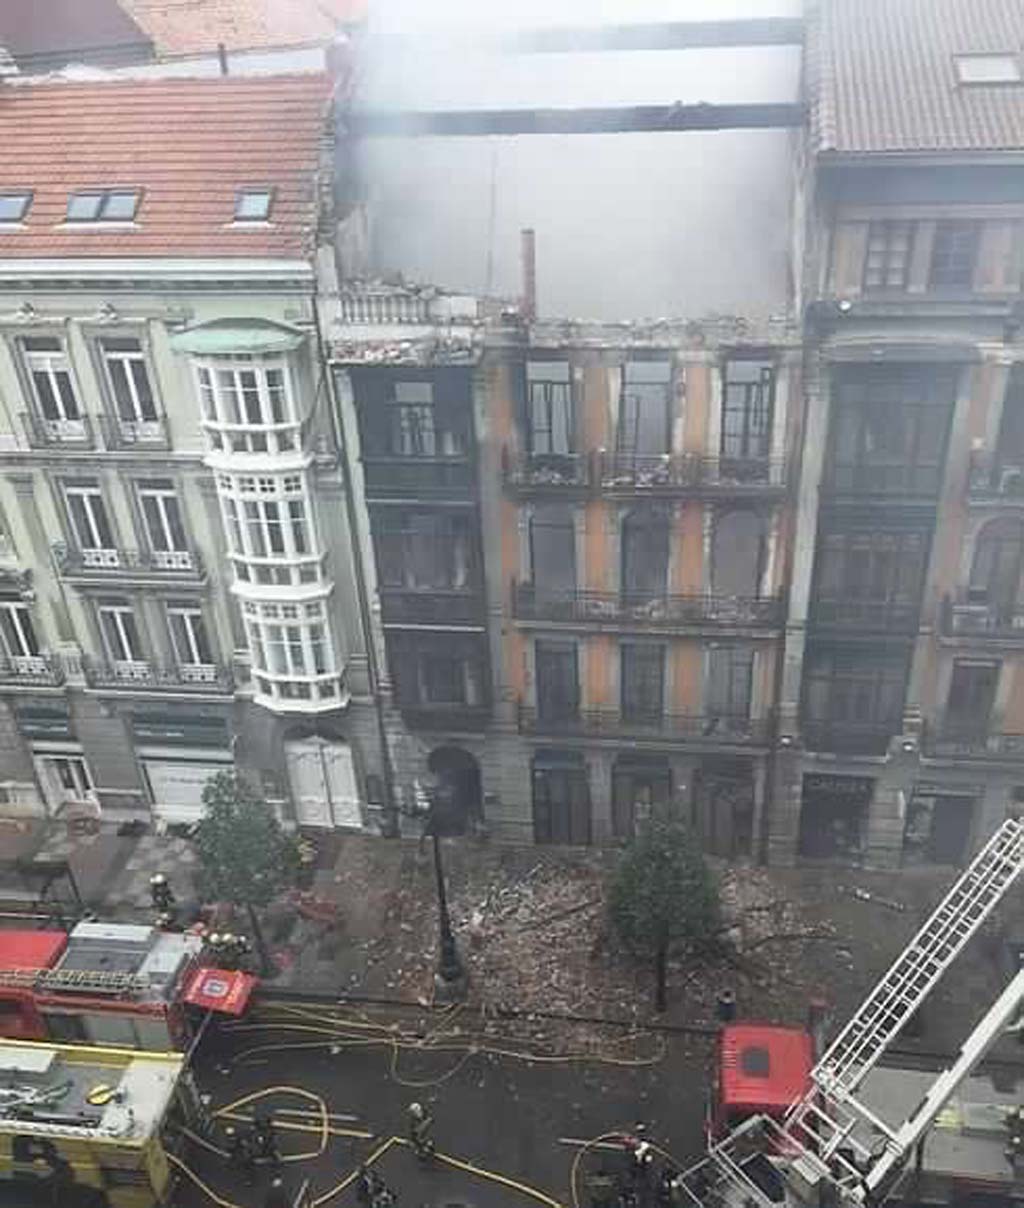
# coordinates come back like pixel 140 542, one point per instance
pixel 972 691
pixel 645 548
pixel 853 699
pixel 833 816
pixel 552 551
pixel 640 787
pixel 748 404
pixel 561 798
pixel 738 552
pixel 413 416
pixel 557 676
pixel 856 569
pixel 438 670
pixel 645 412
pixel 643 682
pixel 431 550
pixel 937 828
pixel 996 568
pixel 889 429
pixel 730 681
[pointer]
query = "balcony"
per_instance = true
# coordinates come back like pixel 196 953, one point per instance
pixel 134 434
pixel 411 477
pixel 109 565
pixel 431 606
pixel 42 433
pixel 661 475
pixel 996 482
pixel 981 621
pixel 848 737
pixel 138 675
pixel 955 740
pixel 868 616
pixel 608 609
pixel 893 482
pixel 31 671
pixel 714 730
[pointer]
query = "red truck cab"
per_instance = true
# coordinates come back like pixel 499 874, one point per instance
pixel 762 1070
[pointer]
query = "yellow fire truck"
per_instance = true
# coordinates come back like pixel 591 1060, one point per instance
pixel 87 1127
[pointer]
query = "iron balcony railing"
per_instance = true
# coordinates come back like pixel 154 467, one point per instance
pixel 41 432
pixel 120 433
pixel 175 563
pixel 32 670
pixel 954 739
pixel 713 729
pixel 645 611
pixel 898 478
pixel 428 605
pixel 962 617
pixel 147 675
pixel 642 474
pixel 997 481
pixel 848 737
pixel 387 477
pixel 851 613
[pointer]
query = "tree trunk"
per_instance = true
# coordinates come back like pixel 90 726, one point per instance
pixel 661 978
pixel 267 967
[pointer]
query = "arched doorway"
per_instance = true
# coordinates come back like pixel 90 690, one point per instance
pixel 996 569
pixel 461 803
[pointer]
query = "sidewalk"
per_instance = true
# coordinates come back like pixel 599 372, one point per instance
pixel 531 927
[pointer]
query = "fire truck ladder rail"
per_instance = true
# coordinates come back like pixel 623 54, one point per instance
pixel 911 978
pixel 84 981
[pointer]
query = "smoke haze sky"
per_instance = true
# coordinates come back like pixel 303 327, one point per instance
pixel 628 225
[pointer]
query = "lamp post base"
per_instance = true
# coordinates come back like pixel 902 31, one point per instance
pixel 448 988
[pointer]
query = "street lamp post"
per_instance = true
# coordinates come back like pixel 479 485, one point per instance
pixel 450 978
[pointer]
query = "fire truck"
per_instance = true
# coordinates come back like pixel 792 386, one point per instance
pixel 111 984
pixel 846 1131
pixel 89 1127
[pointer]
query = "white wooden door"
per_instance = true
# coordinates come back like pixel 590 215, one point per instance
pixel 323 783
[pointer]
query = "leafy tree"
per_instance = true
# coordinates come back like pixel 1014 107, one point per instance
pixel 663 894
pixel 245 857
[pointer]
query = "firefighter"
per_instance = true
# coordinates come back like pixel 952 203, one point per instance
pixel 162 896
pixel 240 1152
pixel 265 1137
pixel 420 1124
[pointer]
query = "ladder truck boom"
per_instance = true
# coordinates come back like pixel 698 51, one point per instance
pixel 830 1139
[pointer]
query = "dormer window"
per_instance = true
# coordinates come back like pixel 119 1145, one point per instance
pixel 988 69
pixel 103 205
pixel 14 206
pixel 253 205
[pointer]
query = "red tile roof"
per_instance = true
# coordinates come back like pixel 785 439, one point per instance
pixel 882 76
pixel 188 144
pixel 198 26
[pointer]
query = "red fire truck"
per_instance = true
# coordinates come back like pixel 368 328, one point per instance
pixel 111 984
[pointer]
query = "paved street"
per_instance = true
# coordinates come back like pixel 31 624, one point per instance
pixel 501 1114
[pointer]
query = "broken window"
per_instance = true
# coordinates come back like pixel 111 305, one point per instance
pixel 738 548
pixel 730 680
pixel 429 550
pixel 937 828
pixel 553 551
pixel 549 408
pixel 954 253
pixel 889 428
pixel 748 399
pixel 833 816
pixel 643 682
pixel 876 567
pixel 996 568
pixel 853 699
pixel 640 787
pixel 645 408
pixel 887 262
pixel 438 670
pixel 644 555
pixel 972 691
pixel 557 677
pixel 412 420
pixel 561 798
pixel 723 807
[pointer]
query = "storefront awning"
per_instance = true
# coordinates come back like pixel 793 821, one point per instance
pixel 226 991
pixel 224 337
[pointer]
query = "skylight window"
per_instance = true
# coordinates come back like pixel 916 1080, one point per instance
pixel 253 205
pixel 14 206
pixel 988 69
pixel 103 205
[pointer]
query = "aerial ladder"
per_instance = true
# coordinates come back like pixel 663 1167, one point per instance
pixel 831 1148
